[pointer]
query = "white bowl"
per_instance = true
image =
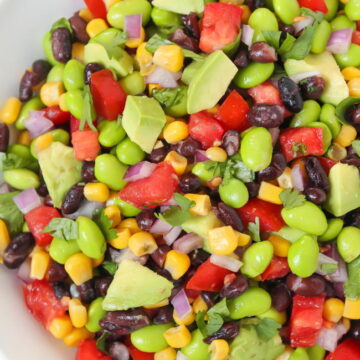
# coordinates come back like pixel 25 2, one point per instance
pixel 22 26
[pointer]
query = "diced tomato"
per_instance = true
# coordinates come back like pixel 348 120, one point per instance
pixel 97 8
pixel 232 112
pixel 358 25
pixel 86 144
pixel 356 37
pixel 56 115
pixel 326 163
pixel 269 214
pixel 208 277
pixel 41 301
pixel 154 190
pixel 314 5
pixel 220 26
pixel 109 97
pixel 75 124
pixel 37 220
pixel 88 351
pixel 301 141
pixel 278 268
pixel 135 353
pixel 347 350
pixel 205 128
pixel 306 320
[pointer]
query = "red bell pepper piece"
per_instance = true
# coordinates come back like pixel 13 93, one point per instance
pixel 314 5
pixel 109 97
pixel 208 277
pixel 97 8
pixel 278 268
pixel 86 144
pixel 301 141
pixel 347 350
pixel 205 128
pixel 56 115
pixel 37 219
pixel 326 163
pixel 220 26
pixel 269 214
pixel 356 37
pixel 306 320
pixel 232 112
pixel 88 351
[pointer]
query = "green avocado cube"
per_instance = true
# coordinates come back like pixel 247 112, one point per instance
pixel 184 7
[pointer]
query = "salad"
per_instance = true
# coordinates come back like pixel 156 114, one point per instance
pixel 185 185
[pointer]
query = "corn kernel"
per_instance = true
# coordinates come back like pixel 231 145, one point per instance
pixel 42 142
pixel 152 87
pixel 86 14
pixel 167 354
pixel 333 309
pixel 223 240
pixel 177 161
pixel 24 138
pixel 10 111
pixel 177 264
pixel 187 320
pixel 39 264
pixel 78 313
pixel 4 237
pixel 285 180
pixel 270 193
pixel 144 59
pixel 122 238
pixel 142 243
pixel 245 14
pixel 216 153
pixel 169 57
pixel 62 102
pixel 243 239
pixel 97 262
pixel 61 327
pixel 76 337
pixel 78 51
pixel 202 205
pixel 176 131
pixel 96 192
pixel 350 73
pixel 346 136
pixel 158 305
pixel 50 93
pixel 354 87
pixel 130 224
pixel 95 27
pixel 213 110
pixel 281 245
pixel 79 268
pixel 133 43
pixel 219 349
pixel 352 309
pixel 177 337
pixel 114 214
pixel 199 304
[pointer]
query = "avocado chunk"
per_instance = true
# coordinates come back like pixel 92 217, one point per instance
pixel 143 120
pixel 60 170
pixel 344 194
pixel 210 82
pixel 135 285
pixel 336 89
pixel 184 7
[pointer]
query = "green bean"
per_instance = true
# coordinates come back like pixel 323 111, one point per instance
pixel 327 136
pixel 234 193
pixel 33 104
pixel 328 117
pixel 352 10
pixel 299 354
pixel 309 113
pixel 286 10
pixel 111 133
pixel 207 170
pixel 342 22
pixel 47 48
pixel 73 75
pixel 74 101
pixel 350 58
pixel 196 349
pixel 95 314
pixel 21 179
pixel 129 152
pixel 60 250
pixel 127 209
pixel 321 37
pixel 262 19
pixel 332 6
pixel 133 84
pixel 253 74
pixel 316 352
pixel 56 73
pixel 333 230
pixel 165 18
pixel 348 243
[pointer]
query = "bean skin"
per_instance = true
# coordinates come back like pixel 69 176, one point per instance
pixel 159 255
pixel 317 174
pixel 310 286
pixel 241 59
pixel 88 171
pixel 4 137
pixel 61 45
pixel 56 273
pixel 192 25
pixel 189 183
pixel 290 94
pixel 353 116
pixel 41 68
pixel 231 142
pixel 87 291
pixel 60 290
pixel 159 154
pixel 256 4
pixel 73 199
pixel 27 82
pixel 18 250
pixel 274 170
pixel 281 297
pixel 78 24
pixel 312 87
pixel 179 37
pixel 187 147
pixel 315 195
pixel 229 216
pixel 90 69
pixel 253 188
pixel 262 52
pixel 266 115
pixel 101 285
pixel 355 329
pixel 228 331
pixel 164 315
pixel 146 219
pixel 119 351
pixel 234 286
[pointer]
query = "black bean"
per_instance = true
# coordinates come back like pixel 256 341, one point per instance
pixel 48 201
pixel 164 315
pixel 4 137
pixel 315 195
pixel 355 329
pixel 253 188
pixel 90 69
pixel 159 255
pixel 78 25
pixel 146 219
pixel 179 37
pixel 189 183
pixel 88 171
pixel 42 68
pixel 281 297
pixel 330 289
pixel 209 298
pixel 274 170
pixel 353 218
pixel 198 257
pixel 242 59
pixel 351 160
pixel 284 332
pixel 187 147
pixel 312 87
pixel 228 331
pixel 18 250
pixel 60 290
pixel 27 82
pixel 290 94
pixel 231 142
pixel 87 291
pixel 73 199
pixel 255 4
pixel 42 190
pixel 101 285
pixel 229 216
pixel 56 273
pixel 119 351
pixel 234 286
pixel 61 45
pixel 310 286
pixel 352 115
pixel 287 29
pixel 261 52
pixel 266 115
pixel 159 154
pixel 191 25
pixel 316 174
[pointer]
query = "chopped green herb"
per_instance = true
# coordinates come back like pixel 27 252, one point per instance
pixel 101 342
pixel 88 115
pixel 220 308
pixel 62 228
pixel 299 149
pixel 291 198
pixel 12 161
pixel 168 97
pixel 242 172
pixel 254 230
pixel 110 267
pixel 104 224
pixel 267 329
pixel 328 268
pixel 112 46
pixel 352 287
pixel 272 38
pixel 317 15
pixel 10 213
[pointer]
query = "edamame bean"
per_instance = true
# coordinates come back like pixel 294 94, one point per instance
pixel 352 10
pixel 290 234
pixel 33 104
pixel 207 170
pixel 262 19
pixel 332 6
pixel 127 209
pixel 24 153
pixel 342 22
pixel 273 314
pixel 133 84
pixel 307 217
pixel 234 193
pixel 95 314
pixel 90 238
pixel 350 58
pixel 256 149
pixel 61 250
pixel 333 230
pixel 348 243
pixel 74 102
pixel 327 136
pixel 321 37
pixel 117 13
pixel 180 108
pixel 253 74
pixel 303 256
pixel 21 179
pixel 111 133
pixel 316 352
pixel 47 48
pixel 299 354
pixel 257 258
pixel 164 18
pixel 59 135
pixel 329 118
pixel 286 10
pixel 196 349
pixel 252 302
pixel 309 113
pixel 150 338
pixel 56 73
pixel 73 75
pixel 110 171
pixel 129 153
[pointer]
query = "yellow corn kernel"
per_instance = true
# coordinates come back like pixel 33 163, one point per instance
pixel 97 262
pixel 245 14
pixel 96 192
pixel 202 205
pixel 62 102
pixel 223 240
pixel 142 243
pixel 4 237
pixel 284 180
pixel 352 309
pixel 351 72
pixel 219 349
pixel 152 87
pixel 61 327
pixel 216 153
pixel 77 51
pixel 86 14
pixel 144 59
pixel 333 309
pixel 177 337
pixel 243 239
pixel 122 238
pixel 79 268
pixel 95 27
pixel 177 161
pixel 42 142
pixel 354 87
pixel 76 337
pixel 133 43
pixel 169 57
pixel 110 3
pixel 158 305
pixel 78 313
pixel 130 224
pixel 177 264
pixel 114 214
pixel 50 93
pixel 281 245
pixel 270 193
pixel 176 131
pixel 10 111
pixel 39 264
pixel 187 320
pixel 213 110
pixel 167 354
pixel 24 138
pixel 346 136
pixel 199 304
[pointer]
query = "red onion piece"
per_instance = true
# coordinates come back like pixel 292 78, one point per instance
pixel 23 273
pixel 160 227
pixel 4 188
pixel 133 26
pixel 323 259
pixel 181 304
pixel 303 75
pixel 226 262
pixel 274 132
pixel 340 41
pixel 297 178
pixel 188 243
pixel 139 171
pixel 163 77
pixel 340 275
pixel 200 156
pixel 327 339
pixel 302 24
pixel 37 124
pixel 172 235
pixel 86 209
pixel 247 35
pixel 118 256
pixel 27 200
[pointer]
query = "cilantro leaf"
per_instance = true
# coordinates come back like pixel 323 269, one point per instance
pixel 200 322
pixel 317 15
pixel 104 224
pixel 101 342
pixel 272 38
pixel 192 55
pixel 220 308
pixel 169 97
pixel 287 44
pixel 299 149
pixel 352 287
pixel 214 323
pixel 329 268
pixel 356 146
pixel 112 45
pixel 291 198
pixel 155 42
pixel 254 230
pixel 242 172
pixel 61 23
pixel 12 161
pixel 267 329
pixel 62 228
pixel 10 214
pixel 110 267
pixel 88 112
